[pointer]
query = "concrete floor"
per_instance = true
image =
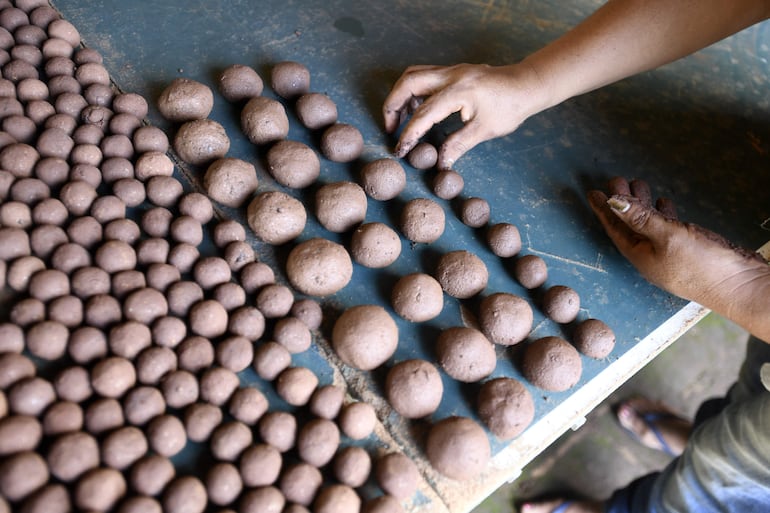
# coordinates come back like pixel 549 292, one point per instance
pixel 600 457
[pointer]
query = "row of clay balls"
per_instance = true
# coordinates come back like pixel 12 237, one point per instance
pixel 96 288
pixel 86 422
pixel 321 267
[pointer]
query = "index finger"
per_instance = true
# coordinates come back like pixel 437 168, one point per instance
pixel 416 81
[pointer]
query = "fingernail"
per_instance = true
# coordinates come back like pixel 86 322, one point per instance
pixel 619 204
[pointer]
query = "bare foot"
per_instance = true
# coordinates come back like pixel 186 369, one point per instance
pixel 654 425
pixel 554 505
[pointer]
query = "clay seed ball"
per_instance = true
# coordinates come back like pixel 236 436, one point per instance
pixel 229 440
pixel 475 212
pixel 594 338
pixel 422 220
pixel 309 312
pixel 200 420
pixel 21 433
pixel 383 179
pixel 208 318
pixel 113 376
pixel 357 420
pixel 465 354
pixel 270 358
pixel 266 499
pixel 461 274
pixel 375 245
pixel 448 184
pixel 275 217
pixel 72 454
pixel 247 404
pixel 264 120
pixel 326 401
pixel 552 363
pixel 290 79
pixel 352 466
pixel 319 267
pixel 230 181
pixel 506 407
pixel 530 271
pixel 295 385
pixel 185 494
pixel 279 429
pixel 504 240
pixel 293 164
pixel 365 336
pixel 185 100
pixel 397 475
pixel 223 483
pixel 417 297
pixel 414 388
pixel 260 465
pixel 561 303
pixel 99 489
pixel 423 156
pixel 337 498
pixel 458 448
pixel 316 110
pixel 342 143
pixel 340 206
pixel 239 82
pixel 317 441
pixel 201 141
pixel 505 319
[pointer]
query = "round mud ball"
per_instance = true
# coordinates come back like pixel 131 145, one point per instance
pixel 293 164
pixel 414 388
pixel 317 441
pixel 247 404
pixel 561 303
pixel 423 156
pixel 309 312
pixel 223 483
pixel 279 429
pixel 265 498
pixel 326 401
pixel 383 504
pixel 422 220
pixel 465 354
pixel 264 120
pixel 229 440
pixel 260 464
pixel 239 82
pixel 295 385
pixel 448 184
pixel 340 206
pixel 352 466
pixel 270 359
pixel 505 319
pixel 72 454
pixel 475 212
pixel 150 474
pixel 208 318
pixel 357 420
pixel 319 267
pixel 201 141
pixel 458 448
pixel 113 376
pixel 230 181
pixel 504 240
pixel 551 363
pixel 506 407
pixel 276 217
pixel 365 336
pixel 594 338
pixel 417 297
pixel 99 489
pixel 383 179
pixel 461 274
pixel 375 245
pixel 200 420
pixel 530 271
pixel 290 79
pixel 185 494
pixel 397 475
pixel 337 498
pixel 185 100
pixel 342 142
pixel 316 110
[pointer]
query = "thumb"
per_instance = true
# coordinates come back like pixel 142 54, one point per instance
pixel 641 218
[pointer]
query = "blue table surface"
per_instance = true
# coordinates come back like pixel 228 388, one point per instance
pixel 696 130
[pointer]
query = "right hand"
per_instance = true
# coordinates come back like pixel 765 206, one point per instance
pixel 492 101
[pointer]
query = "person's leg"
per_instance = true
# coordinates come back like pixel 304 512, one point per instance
pixel 725 468
pixel 654 425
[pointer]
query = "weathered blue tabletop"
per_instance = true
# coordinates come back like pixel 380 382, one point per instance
pixel 698 131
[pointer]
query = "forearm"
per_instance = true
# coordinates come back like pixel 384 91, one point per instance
pixel 625 37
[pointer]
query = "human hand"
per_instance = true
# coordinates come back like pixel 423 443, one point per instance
pixel 492 101
pixel 682 258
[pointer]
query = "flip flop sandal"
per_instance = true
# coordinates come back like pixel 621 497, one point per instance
pixel 561 508
pixel 649 420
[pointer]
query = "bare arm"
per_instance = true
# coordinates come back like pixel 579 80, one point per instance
pixel 622 38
